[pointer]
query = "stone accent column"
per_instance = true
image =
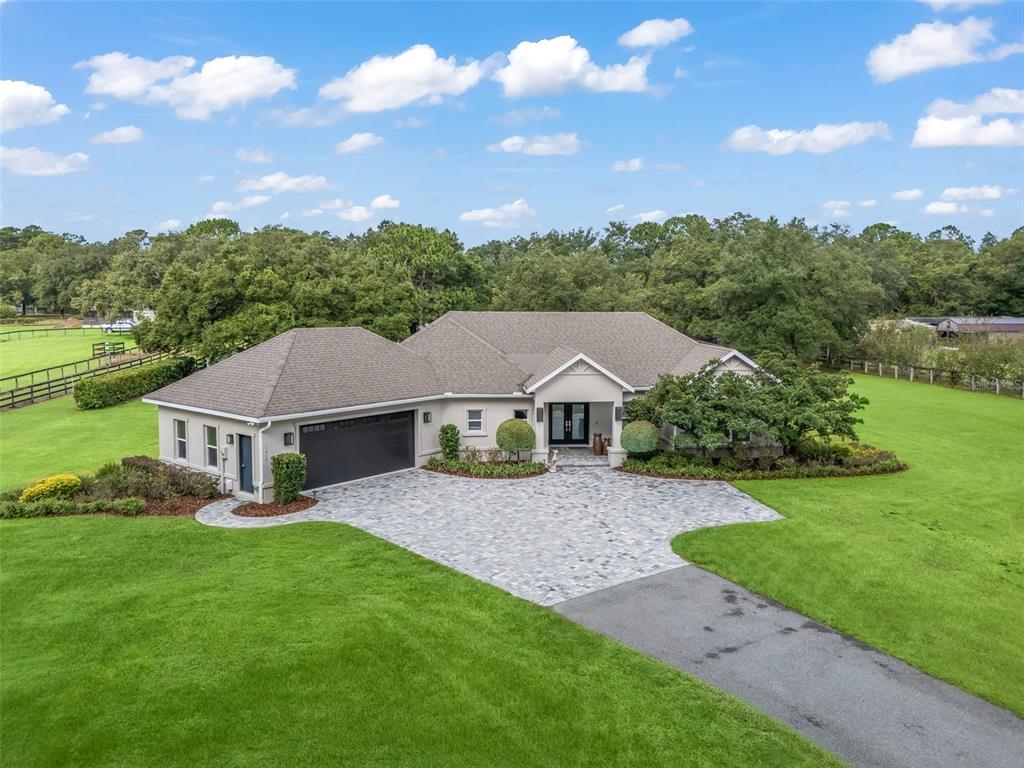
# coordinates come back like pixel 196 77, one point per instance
pixel 540 430
pixel 616 453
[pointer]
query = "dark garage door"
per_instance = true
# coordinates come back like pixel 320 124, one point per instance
pixel 337 451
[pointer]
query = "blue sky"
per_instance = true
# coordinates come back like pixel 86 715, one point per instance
pixel 153 115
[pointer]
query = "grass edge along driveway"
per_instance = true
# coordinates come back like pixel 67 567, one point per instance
pixel 163 642
pixel 928 564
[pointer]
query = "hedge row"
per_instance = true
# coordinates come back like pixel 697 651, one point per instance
pixel 487 469
pixel 55 507
pixel 121 386
pixel 694 471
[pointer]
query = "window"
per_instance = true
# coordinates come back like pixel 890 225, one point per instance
pixel 212 448
pixel 521 413
pixel 180 439
pixel 475 421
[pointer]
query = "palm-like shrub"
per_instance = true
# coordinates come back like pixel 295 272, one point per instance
pixel 640 438
pixel 515 435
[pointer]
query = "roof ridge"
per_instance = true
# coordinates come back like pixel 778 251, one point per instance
pixel 500 352
pixel 291 333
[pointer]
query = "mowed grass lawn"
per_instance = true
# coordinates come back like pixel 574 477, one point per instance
pixel 34 352
pixel 161 642
pixel 928 564
pixel 53 436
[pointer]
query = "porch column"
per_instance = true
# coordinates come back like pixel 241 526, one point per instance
pixel 540 429
pixel 616 453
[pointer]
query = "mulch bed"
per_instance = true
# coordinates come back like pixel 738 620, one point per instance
pixel 178 506
pixel 252 509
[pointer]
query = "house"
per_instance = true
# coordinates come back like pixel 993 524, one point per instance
pixel 357 404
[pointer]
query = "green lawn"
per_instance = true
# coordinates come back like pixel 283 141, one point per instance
pixel 927 565
pixel 160 642
pixel 51 437
pixel 31 353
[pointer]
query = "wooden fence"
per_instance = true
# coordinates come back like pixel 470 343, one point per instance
pixel 14 335
pixel 955 379
pixel 48 388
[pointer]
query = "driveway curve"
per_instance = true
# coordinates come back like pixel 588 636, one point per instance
pixel 546 539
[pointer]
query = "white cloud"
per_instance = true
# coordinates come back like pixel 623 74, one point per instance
pixel 836 209
pixel 125 134
pixel 935 45
pixel 254 155
pixel 357 142
pixel 628 166
pixel 987 212
pixel 284 216
pixel 941 5
pixel 381 202
pixel 655 215
pixel 169 225
pixel 821 139
pixel 943 209
pixel 224 206
pixel 557 144
pixel 410 122
pixel 949 124
pixel 279 182
pixel 389 82
pixel 985 192
pixel 907 194
pixel 528 115
pixel 680 74
pixel 555 65
pixel 868 203
pixel 336 204
pixel 655 33
pixel 30 161
pixel 311 213
pixel 206 179
pixel 220 83
pixel 614 208
pixel 509 215
pixel 23 104
pixel 356 213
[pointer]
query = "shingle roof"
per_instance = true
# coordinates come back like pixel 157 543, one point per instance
pixel 487 353
pixel 307 369
pixel 633 345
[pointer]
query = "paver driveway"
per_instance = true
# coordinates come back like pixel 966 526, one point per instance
pixel 547 539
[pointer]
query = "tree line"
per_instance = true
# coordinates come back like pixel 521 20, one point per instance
pixel 758 285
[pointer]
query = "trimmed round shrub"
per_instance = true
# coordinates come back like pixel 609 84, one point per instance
pixel 289 476
pixel 56 487
pixel 449 437
pixel 640 438
pixel 515 435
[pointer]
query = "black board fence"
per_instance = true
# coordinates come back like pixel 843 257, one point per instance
pixel 956 379
pixel 45 389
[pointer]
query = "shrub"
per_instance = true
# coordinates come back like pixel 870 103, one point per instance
pixel 120 386
pixel 56 487
pixel 55 507
pixel 676 465
pixel 449 437
pixel 470 453
pixel 494 455
pixel 515 435
pixel 498 470
pixel 7 311
pixel 640 438
pixel 289 476
pixel 148 477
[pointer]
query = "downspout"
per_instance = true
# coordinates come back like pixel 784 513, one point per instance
pixel 259 449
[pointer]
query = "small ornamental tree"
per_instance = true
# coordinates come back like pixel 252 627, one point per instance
pixel 640 438
pixel 289 476
pixel 449 437
pixel 515 435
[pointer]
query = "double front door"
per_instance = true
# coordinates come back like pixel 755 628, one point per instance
pixel 568 423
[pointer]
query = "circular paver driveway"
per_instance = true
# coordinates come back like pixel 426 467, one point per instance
pixel 546 539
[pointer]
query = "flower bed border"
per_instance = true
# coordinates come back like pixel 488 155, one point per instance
pixel 255 509
pixel 471 476
pixel 888 467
